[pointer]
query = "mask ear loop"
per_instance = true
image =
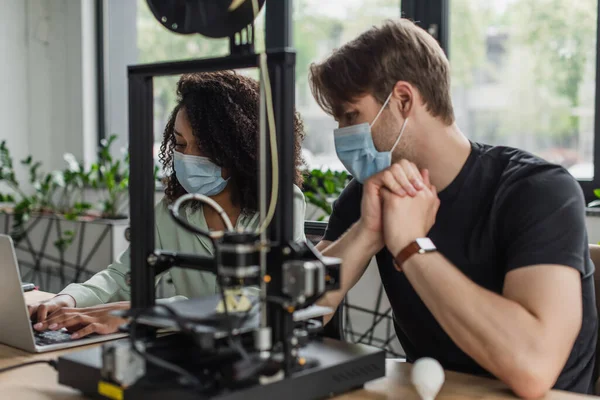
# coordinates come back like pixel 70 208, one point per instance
pixel 400 135
pixel 381 109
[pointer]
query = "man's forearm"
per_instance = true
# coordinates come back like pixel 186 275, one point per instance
pixel 356 248
pixel 498 333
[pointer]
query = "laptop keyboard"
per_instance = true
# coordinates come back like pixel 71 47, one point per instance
pixel 51 337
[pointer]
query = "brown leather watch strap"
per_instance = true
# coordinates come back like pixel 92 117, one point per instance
pixel 405 254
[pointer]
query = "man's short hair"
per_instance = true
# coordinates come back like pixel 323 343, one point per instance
pixel 372 63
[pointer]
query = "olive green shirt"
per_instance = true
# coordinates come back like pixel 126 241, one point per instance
pixel 112 284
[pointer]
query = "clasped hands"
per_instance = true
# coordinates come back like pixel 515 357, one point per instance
pixel 399 205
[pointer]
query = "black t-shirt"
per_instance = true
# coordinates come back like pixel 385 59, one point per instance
pixel 505 210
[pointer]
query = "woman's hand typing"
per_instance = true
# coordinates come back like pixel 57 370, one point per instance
pixel 85 321
pixel 40 311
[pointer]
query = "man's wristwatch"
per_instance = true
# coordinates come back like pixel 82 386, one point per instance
pixel 419 246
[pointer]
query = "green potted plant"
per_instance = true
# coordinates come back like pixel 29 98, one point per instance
pixel 56 193
pixel 321 188
pixel 59 235
pixel 111 177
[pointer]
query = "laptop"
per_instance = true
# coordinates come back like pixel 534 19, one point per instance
pixel 16 329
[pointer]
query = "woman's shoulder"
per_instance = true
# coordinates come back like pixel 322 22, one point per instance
pixel 298 194
pixel 161 211
pixel 162 205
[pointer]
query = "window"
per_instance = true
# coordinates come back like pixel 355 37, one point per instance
pixel 523 74
pixel 523 71
pixel 319 27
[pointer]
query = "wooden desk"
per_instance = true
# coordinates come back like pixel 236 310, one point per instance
pixel 39 382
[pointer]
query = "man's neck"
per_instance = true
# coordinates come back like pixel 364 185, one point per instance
pixel 443 150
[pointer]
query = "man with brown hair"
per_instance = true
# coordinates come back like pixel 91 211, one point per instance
pixel 482 250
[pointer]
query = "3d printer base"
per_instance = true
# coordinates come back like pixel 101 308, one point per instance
pixel 342 367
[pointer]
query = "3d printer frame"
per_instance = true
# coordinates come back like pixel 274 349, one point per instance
pixel 281 65
pixel 339 366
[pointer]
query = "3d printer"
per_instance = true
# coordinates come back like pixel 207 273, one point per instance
pixel 273 348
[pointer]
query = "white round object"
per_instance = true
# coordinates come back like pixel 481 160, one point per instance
pixel 427 377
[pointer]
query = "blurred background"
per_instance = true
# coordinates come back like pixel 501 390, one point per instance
pixel 523 71
pixel 524 74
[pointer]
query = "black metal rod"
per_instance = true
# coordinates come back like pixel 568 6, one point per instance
pixel 50 269
pixel 44 257
pixel 36 257
pixel 376 320
pixel 40 254
pixel 32 225
pixel 596 178
pixel 281 60
pixel 282 72
pixel 279 25
pixel 377 306
pixel 141 189
pixel 57 261
pixel 429 14
pixel 201 65
pixel 444 27
pixel 281 63
pixel 368 311
pixel 80 243
pixel 61 252
pixel 168 259
pixel 100 70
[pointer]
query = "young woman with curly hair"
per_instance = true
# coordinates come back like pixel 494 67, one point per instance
pixel 210 147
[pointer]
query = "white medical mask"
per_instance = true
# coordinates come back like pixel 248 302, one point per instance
pixel 198 175
pixel 356 150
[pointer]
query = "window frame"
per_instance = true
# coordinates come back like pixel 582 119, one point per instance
pixel 100 84
pixel 431 15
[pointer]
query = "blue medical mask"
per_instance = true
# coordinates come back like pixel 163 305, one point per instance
pixel 356 150
pixel 198 175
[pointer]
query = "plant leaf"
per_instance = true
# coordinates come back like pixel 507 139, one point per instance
pixel 329 187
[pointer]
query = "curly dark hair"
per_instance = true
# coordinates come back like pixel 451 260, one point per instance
pixel 223 111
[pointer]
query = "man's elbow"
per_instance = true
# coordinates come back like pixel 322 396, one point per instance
pixel 531 382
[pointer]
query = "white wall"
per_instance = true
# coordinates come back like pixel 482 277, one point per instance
pixel 14 82
pixel 45 108
pixel 120 50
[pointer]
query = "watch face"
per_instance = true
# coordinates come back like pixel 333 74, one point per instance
pixel 426 244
